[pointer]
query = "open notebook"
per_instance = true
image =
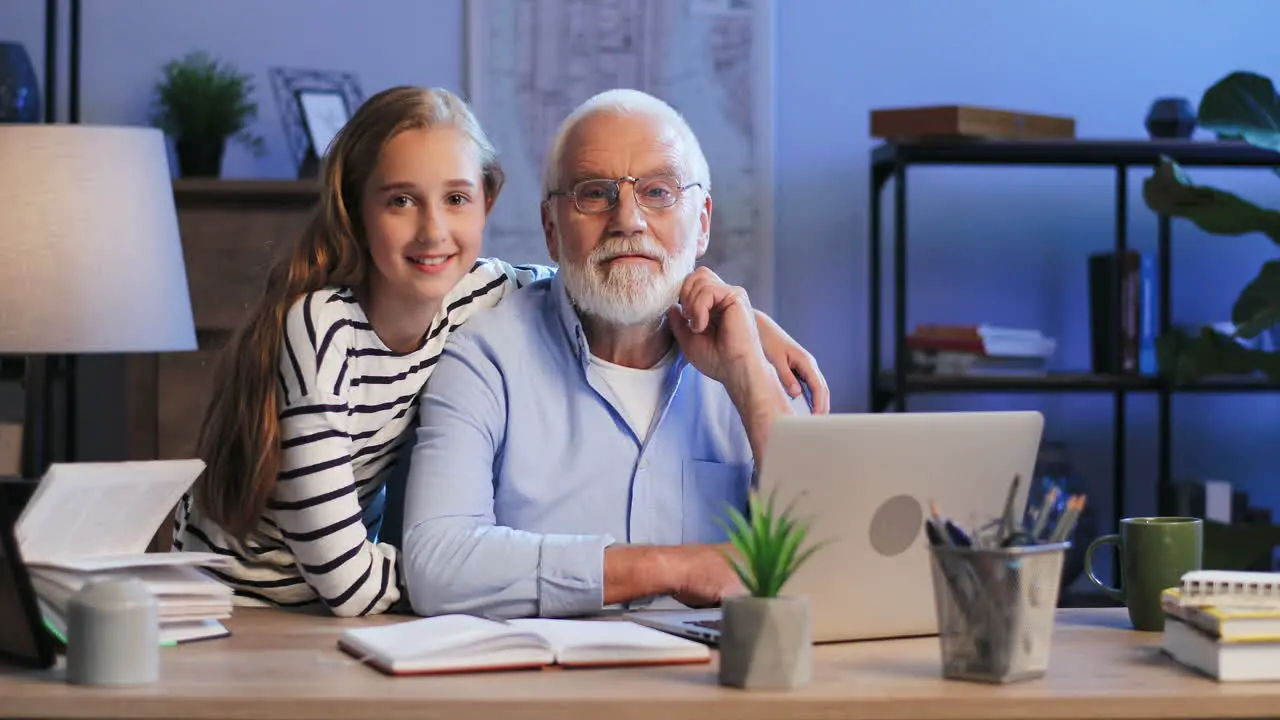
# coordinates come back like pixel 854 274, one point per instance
pixel 464 643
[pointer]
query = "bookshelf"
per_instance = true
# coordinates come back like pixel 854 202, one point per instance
pixel 892 384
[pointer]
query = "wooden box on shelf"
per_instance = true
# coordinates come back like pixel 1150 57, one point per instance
pixel 953 121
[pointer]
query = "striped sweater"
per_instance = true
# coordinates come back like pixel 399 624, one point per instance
pixel 348 406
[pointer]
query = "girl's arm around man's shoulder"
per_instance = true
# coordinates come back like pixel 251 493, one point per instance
pixel 519 274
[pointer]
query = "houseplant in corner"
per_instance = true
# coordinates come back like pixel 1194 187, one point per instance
pixel 1241 106
pixel 766 638
pixel 201 103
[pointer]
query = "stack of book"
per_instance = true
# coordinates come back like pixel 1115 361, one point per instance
pixel 979 350
pixel 87 522
pixel 1225 624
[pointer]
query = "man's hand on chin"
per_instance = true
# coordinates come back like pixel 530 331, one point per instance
pixel 716 327
pixel 717 331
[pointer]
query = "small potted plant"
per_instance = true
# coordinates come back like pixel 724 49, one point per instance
pixel 201 103
pixel 766 639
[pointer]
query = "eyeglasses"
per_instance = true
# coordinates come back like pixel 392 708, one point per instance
pixel 598 195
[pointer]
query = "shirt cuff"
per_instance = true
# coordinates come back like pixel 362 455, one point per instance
pixel 571 574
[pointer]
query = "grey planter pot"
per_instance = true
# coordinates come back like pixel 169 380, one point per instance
pixel 766 643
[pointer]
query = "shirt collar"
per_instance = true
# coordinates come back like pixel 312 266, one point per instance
pixel 569 320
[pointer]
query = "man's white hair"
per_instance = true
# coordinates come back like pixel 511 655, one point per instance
pixel 625 101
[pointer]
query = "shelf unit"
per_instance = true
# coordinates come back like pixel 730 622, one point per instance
pixel 890 388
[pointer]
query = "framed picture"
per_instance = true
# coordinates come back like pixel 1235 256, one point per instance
pixel 314 105
pixel 324 112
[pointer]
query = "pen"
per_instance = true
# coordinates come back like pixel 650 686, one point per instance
pixel 1006 521
pixel 954 535
pixel 931 531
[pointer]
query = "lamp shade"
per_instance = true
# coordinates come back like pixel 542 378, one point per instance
pixel 90 256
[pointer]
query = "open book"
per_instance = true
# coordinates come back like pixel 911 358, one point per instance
pixel 90 521
pixel 100 516
pixel 464 643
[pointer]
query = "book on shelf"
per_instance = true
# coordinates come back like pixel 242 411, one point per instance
pixel 91 521
pixel 1135 317
pixel 978 350
pixel 465 643
pixel 1225 624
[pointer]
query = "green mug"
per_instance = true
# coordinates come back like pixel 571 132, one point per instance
pixel 1155 552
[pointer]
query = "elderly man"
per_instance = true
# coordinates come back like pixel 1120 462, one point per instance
pixel 579 444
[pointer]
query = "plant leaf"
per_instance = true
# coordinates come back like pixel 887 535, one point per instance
pixel 1258 307
pixel 744 574
pixel 740 536
pixel 1169 192
pixel 1243 105
pixel 769 543
pixel 1187 358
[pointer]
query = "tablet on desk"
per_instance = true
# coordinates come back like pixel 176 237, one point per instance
pixel 24 639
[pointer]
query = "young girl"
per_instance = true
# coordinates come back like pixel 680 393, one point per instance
pixel 318 393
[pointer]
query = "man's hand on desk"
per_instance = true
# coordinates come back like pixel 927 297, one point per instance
pixel 696 575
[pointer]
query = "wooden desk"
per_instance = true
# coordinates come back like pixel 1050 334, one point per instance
pixel 283 665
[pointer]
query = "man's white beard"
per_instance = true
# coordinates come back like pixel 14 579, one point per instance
pixel 632 293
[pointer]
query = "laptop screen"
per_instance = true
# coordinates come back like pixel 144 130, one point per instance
pixel 23 637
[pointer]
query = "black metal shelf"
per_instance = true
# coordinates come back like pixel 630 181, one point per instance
pixel 1101 153
pixel 890 160
pixel 1065 382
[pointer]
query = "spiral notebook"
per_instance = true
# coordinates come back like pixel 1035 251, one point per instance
pixel 1230 588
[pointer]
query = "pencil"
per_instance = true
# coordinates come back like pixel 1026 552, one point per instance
pixel 1067 523
pixel 1042 516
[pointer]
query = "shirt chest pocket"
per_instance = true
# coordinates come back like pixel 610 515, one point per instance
pixel 708 490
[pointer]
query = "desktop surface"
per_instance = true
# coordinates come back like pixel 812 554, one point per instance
pixel 281 664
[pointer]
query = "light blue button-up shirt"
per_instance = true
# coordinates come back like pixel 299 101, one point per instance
pixel 525 469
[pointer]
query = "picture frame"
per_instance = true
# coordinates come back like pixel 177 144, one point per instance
pixel 313 105
pixel 324 112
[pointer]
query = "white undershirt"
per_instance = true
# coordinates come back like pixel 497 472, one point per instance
pixel 637 390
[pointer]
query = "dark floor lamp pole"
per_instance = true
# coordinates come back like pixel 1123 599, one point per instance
pixel 50 60
pixel 36 416
pixel 37 420
pixel 69 397
pixel 46 415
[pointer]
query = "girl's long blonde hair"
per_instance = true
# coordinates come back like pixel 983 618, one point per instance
pixel 239 439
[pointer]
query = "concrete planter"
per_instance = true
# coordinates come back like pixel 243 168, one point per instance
pixel 766 643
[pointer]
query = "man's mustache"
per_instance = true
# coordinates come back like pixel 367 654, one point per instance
pixel 633 246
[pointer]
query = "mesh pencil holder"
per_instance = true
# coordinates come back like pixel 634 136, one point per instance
pixel 996 609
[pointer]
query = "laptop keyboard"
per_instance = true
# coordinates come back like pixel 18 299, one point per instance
pixel 709 624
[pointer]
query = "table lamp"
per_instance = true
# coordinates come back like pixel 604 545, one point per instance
pixel 90 256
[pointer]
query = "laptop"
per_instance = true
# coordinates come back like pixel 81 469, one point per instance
pixel 864 482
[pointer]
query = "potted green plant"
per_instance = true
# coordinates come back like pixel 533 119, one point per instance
pixel 1241 106
pixel 202 103
pixel 766 637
